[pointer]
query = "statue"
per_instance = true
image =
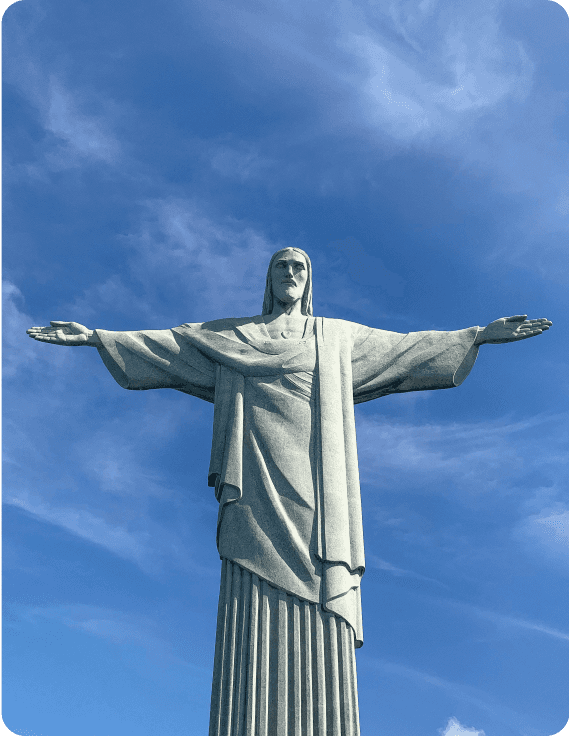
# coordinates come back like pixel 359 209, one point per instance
pixel 284 468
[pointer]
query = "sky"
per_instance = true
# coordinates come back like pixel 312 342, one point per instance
pixel 155 156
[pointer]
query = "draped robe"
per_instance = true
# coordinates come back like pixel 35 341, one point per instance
pixel 284 457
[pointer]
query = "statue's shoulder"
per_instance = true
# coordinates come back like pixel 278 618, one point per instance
pixel 342 325
pixel 226 325
pixel 345 323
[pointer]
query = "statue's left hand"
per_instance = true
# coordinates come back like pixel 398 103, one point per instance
pixel 511 329
pixel 64 333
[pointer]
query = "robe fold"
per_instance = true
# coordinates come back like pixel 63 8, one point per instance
pixel 284 457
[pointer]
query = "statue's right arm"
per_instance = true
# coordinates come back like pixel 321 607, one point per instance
pixel 65 333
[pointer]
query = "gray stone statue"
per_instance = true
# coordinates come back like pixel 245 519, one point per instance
pixel 285 471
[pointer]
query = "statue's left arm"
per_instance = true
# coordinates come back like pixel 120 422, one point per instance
pixel 147 359
pixel 142 359
pixel 388 362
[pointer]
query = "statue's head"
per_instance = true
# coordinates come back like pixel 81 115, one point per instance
pixel 289 278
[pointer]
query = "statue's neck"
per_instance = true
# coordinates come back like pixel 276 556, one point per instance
pixel 285 312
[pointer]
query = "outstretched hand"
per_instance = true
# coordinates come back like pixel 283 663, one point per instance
pixel 64 333
pixel 510 329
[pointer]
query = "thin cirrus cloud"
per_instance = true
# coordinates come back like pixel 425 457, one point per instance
pixel 459 691
pixel 547 531
pixel 219 267
pixel 510 623
pixel 475 456
pixel 127 544
pixel 380 564
pixel 402 100
pixel 213 267
pixel 389 61
pixel 149 545
pixel 83 136
pixel 19 350
pixel 455 728
pixel 120 628
pixel 431 77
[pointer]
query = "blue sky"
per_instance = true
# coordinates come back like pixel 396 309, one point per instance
pixel 155 155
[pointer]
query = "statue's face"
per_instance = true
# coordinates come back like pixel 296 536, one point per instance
pixel 289 274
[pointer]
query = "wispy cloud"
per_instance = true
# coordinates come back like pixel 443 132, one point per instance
pixel 79 121
pixel 85 135
pixel 218 266
pixel 404 95
pixel 19 349
pixel 467 457
pixel 508 622
pixel 379 564
pixel 547 530
pixel 464 693
pixel 120 628
pixel 427 77
pixel 116 538
pixel 454 728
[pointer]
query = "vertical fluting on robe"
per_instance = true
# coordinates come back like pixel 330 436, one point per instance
pixel 283 667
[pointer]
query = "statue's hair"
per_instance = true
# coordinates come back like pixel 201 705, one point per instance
pixel 306 302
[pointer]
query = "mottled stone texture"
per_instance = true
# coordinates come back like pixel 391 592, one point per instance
pixel 283 666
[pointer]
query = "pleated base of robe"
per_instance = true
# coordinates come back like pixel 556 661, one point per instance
pixel 283 666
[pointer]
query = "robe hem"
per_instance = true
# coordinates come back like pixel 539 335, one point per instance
pixel 358 643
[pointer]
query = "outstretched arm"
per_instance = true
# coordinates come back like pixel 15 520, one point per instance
pixel 65 333
pixel 511 329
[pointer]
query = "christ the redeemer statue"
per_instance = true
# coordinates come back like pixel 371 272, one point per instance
pixel 285 471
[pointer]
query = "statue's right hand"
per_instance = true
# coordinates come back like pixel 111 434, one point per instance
pixel 63 333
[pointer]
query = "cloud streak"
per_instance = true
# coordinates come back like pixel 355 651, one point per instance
pixel 455 728
pixel 469 457
pixel 463 693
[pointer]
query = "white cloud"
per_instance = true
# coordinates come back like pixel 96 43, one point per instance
pixel 121 628
pixel 380 564
pixel 19 349
pixel 85 135
pixel 117 455
pixel 459 691
pixel 547 531
pixel 404 96
pixel 116 538
pixel 409 70
pixel 454 728
pixel 80 118
pixel 507 622
pixel 113 295
pixel 218 268
pixel 243 163
pixel 464 457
